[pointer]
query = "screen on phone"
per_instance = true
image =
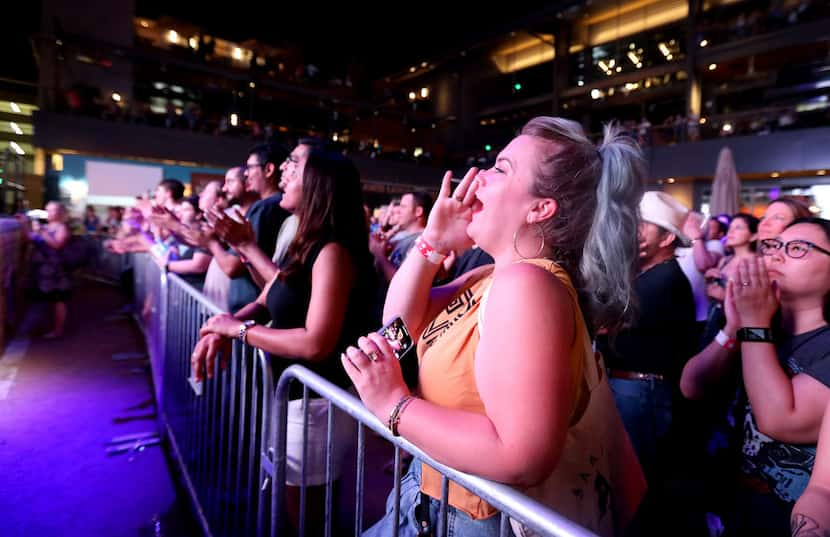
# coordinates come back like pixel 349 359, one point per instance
pixel 397 335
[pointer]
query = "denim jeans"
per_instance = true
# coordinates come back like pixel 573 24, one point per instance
pixel 459 524
pixel 646 410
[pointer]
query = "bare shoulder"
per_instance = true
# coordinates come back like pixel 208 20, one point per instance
pixel 333 252
pixel 530 284
pixel 528 274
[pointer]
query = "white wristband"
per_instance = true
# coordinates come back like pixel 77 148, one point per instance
pixel 725 341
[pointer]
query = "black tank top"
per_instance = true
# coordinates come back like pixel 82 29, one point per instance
pixel 288 303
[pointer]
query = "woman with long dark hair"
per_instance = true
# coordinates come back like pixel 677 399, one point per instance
pixel 318 301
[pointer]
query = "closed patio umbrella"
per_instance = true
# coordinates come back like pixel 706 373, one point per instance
pixel 726 187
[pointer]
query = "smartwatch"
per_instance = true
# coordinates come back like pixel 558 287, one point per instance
pixel 755 335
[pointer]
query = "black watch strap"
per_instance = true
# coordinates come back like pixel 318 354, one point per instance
pixel 755 335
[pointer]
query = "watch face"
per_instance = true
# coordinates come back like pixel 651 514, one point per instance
pixel 755 334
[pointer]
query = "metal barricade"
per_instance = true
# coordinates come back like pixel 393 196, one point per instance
pixel 229 440
pixel 509 501
pixel 105 266
pixel 215 437
pixel 11 272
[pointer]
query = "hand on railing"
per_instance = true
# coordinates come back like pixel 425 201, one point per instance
pixel 234 229
pixel 161 260
pixel 376 374
pixel 205 352
pixel 223 324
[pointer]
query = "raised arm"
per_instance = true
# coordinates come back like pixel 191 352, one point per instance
pixel 230 264
pixel 410 292
pixel 786 409
pixel 197 265
pixel 708 368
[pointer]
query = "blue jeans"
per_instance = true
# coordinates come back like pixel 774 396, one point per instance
pixel 459 524
pixel 646 410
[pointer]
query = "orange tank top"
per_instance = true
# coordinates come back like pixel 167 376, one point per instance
pixel 446 356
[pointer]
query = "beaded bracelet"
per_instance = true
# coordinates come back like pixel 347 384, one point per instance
pixel 395 415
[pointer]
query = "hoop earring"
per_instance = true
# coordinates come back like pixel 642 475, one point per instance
pixel 541 234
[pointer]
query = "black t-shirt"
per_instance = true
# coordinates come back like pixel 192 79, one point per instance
pixel 662 338
pixel 786 468
pixel 266 217
pixel 472 258
pixel 187 253
pixel 288 303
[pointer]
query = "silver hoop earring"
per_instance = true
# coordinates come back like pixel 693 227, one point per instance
pixel 541 234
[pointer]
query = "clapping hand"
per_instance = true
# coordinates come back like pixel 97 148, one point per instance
pixel 234 231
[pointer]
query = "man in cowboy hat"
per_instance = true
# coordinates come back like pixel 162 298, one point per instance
pixel 646 359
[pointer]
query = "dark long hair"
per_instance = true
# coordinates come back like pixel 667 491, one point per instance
pixel 751 224
pixel 331 208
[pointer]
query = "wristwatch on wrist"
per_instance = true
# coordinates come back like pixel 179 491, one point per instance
pixel 243 330
pixel 755 335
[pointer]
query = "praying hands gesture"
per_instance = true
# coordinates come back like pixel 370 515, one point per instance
pixel 754 295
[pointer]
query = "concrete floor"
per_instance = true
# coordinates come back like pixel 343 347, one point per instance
pixel 61 401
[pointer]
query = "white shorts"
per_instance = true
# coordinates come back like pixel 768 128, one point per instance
pixel 345 434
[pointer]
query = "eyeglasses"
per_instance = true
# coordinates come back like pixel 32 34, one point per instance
pixel 795 249
pixel 255 165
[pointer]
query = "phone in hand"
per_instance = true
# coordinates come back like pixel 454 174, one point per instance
pixel 397 334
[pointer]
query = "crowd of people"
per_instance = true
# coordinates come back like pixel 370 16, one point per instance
pixel 640 369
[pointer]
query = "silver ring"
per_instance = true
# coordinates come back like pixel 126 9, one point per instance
pixel 373 356
pixel 459 199
pixel 745 284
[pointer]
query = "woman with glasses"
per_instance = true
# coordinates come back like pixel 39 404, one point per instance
pixel 777 340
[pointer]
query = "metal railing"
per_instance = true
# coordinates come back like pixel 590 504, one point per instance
pixel 227 435
pixel 511 503
pixel 11 271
